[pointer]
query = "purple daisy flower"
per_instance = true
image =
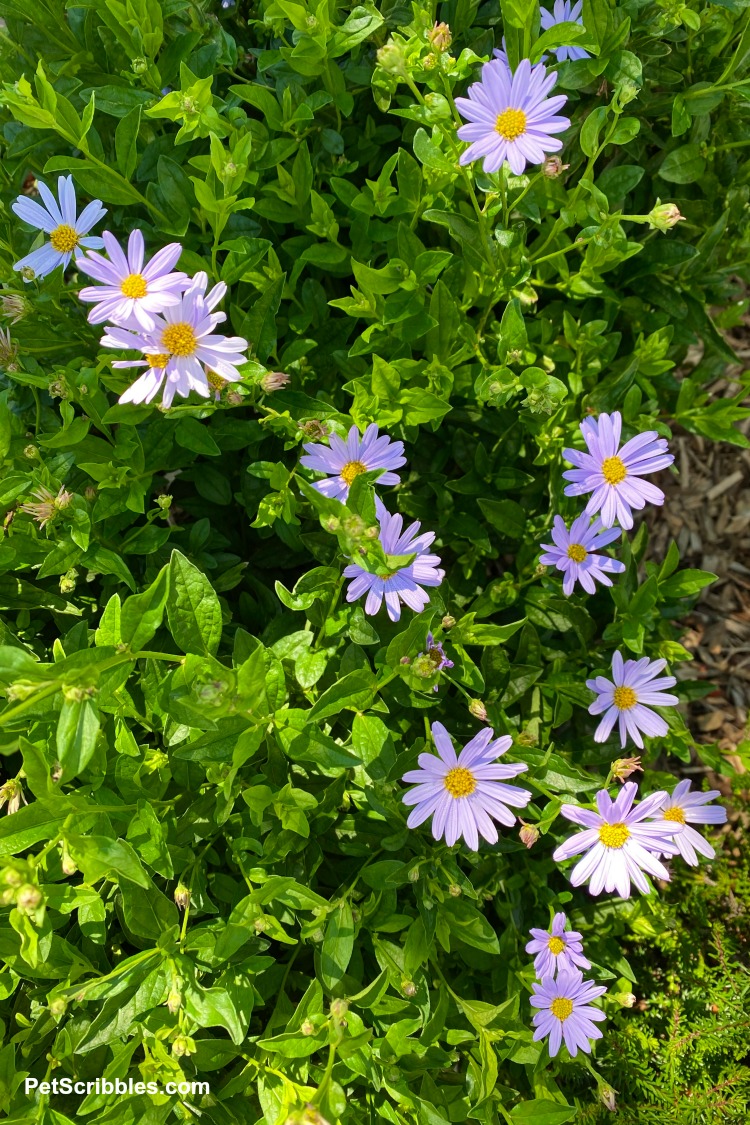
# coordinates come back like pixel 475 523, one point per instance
pixel 612 474
pixel 556 949
pixel 510 116
pixel 619 841
pixel 182 348
pixel 564 12
pixel 131 292
pixel 68 232
pixel 637 687
pixel 435 657
pixel 403 583
pixel 463 794
pixel 345 460
pixel 686 808
pixel 502 53
pixel 573 552
pixel 566 1011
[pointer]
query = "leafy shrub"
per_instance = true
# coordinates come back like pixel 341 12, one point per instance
pixel 214 855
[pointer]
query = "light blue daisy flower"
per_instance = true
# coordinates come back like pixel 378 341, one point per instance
pixel 68 232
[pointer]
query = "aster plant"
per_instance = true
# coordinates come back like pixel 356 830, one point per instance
pixel 465 793
pixel 556 949
pixel 566 1013
pixel 408 567
pixel 68 231
pixel 182 348
pixel 510 117
pixel 131 292
pixel 574 551
pixel 620 840
pixel 629 697
pixel 686 808
pixel 344 461
pixel 613 474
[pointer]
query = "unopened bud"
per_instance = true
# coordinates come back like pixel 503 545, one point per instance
pixel 454 890
pixel 626 92
pixel 68 581
pixel 339 1008
pixel 29 897
pixel 664 216
pixel 188 106
pixel 405 660
pixel 183 1045
pixel 439 37
pixel 307 1027
pixel 623 767
pixel 275 381
pixel 607 1095
pixel 139 65
pixel 174 1001
pixel 90 493
pixel 409 988
pixel 314 429
pixel 164 502
pixel 625 999
pixel 554 167
pixel 414 875
pixel 57 1007
pixel 27 273
pixel 478 710
pixel 332 524
pixel 391 58
pixel 31 452
pixel 528 835
pixel 424 667
pixel 448 622
pixel 233 398
pixel 182 896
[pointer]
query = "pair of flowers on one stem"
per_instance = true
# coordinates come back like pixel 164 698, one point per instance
pixel 147 306
pixel 561 994
pixel 464 794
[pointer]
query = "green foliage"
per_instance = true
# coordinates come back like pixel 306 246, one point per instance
pixel 213 879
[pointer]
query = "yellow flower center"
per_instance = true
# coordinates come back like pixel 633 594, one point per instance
pixel 675 814
pixel 460 782
pixel 215 382
pixel 179 339
pixel 614 835
pixel 625 698
pixel 556 945
pixel 160 360
pixel 613 470
pixel 64 239
pixel 510 124
pixel 351 470
pixel 561 1007
pixel 577 553
pixel 134 285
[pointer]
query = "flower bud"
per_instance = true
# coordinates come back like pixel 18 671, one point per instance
pixel 439 37
pixel 27 273
pixel 57 1007
pixel 414 875
pixel 405 660
pixel 528 835
pixel 554 167
pixel 664 216
pixel 332 524
pixel 626 92
pixel 454 890
pixel 68 581
pixel 391 58
pixel 233 398
pixel 188 106
pixel 424 667
pixel 314 429
pixel 478 710
pixel 339 1008
pixel 625 999
pixel 182 896
pixel 607 1095
pixel 139 65
pixel 275 381
pixel 164 502
pixel 183 1045
pixel 623 767
pixel 409 988
pixel 90 493
pixel 174 1001
pixel 31 452
pixel 448 622
pixel 307 1027
pixel 29 898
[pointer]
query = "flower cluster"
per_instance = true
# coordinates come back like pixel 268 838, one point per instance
pixel 561 994
pixel 146 306
pixel 622 841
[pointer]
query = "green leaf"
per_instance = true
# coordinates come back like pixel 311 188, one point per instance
pixel 141 614
pixel 542 1112
pixel 77 730
pixel 338 945
pixel 193 609
pixel 353 692
pixel 683 165
pixel 686 583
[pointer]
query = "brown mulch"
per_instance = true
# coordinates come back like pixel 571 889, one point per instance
pixel 707 512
